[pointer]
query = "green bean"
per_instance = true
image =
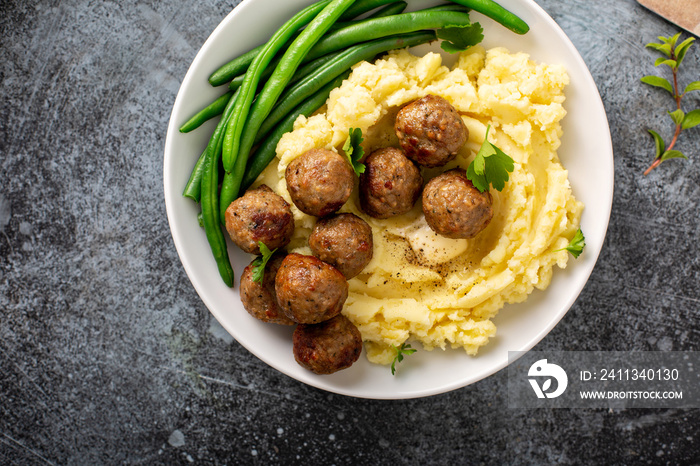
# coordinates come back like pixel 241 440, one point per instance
pixel 391 9
pixel 242 129
pixel 193 187
pixel 301 72
pixel 228 192
pixel 235 67
pixel 207 113
pixel 361 7
pixel 327 45
pixel 497 13
pixel 374 28
pixel 277 81
pixel 305 70
pixel 266 151
pixel 209 198
pixel 388 10
pixel 240 64
pixel 448 7
pixel 210 217
pixel 345 59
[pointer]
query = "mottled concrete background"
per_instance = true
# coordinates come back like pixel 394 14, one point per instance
pixel 107 354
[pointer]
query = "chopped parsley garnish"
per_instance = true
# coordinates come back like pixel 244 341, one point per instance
pixel 460 38
pixel 404 349
pixel 353 150
pixel 261 261
pixel 576 245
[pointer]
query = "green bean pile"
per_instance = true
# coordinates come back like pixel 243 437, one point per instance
pixel 293 74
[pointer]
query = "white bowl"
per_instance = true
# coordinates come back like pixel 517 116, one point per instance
pixel 586 151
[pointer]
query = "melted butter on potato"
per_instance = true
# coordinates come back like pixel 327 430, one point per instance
pixel 420 286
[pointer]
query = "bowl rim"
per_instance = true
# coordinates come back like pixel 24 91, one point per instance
pixel 196 279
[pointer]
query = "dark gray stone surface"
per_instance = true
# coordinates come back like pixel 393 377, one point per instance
pixel 108 356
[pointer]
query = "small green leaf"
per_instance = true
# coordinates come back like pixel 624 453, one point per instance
pixel 672 40
pixel 694 86
pixel 497 169
pixel 490 167
pixel 404 349
pixel 486 150
pixel 353 150
pixel 478 180
pixel 672 154
pixel 683 48
pixel 458 39
pixel 677 116
pixel 261 261
pixel 659 142
pixel 662 48
pixel 480 160
pixel 691 119
pixel 657 81
pixel 576 245
pixel 665 61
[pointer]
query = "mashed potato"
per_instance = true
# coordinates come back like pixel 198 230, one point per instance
pixel 421 286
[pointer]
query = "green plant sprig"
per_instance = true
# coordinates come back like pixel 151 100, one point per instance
pixel 673 55
pixel 576 245
pixel 401 351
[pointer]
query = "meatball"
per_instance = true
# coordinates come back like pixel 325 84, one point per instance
pixel 390 185
pixel 454 208
pixel 430 131
pixel 309 290
pixel 260 299
pixel 344 241
pixel 327 347
pixel 259 215
pixel 319 181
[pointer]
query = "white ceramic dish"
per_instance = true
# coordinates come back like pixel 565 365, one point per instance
pixel 586 151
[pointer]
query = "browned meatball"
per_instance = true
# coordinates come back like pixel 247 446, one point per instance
pixel 454 208
pixel 260 299
pixel 319 181
pixel 390 185
pixel 309 290
pixel 327 347
pixel 259 215
pixel 430 131
pixel 344 241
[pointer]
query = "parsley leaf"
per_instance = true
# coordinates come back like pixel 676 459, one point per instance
pixel 490 166
pixel 458 39
pixel 576 245
pixel 261 261
pixel 353 150
pixel 404 349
